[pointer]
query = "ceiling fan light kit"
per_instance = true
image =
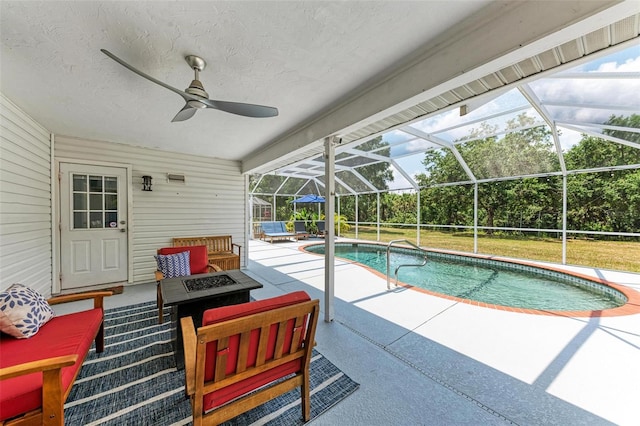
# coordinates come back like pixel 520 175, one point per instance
pixel 196 97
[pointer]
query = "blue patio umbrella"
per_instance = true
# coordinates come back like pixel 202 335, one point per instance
pixel 309 198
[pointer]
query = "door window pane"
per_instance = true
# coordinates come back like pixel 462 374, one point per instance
pixel 111 218
pixel 80 183
pixel 96 220
pixel 110 202
pixel 95 202
pixel 95 183
pixel 110 184
pixel 101 194
pixel 79 220
pixel 79 201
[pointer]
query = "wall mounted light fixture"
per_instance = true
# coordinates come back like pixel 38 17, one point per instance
pixel 146 183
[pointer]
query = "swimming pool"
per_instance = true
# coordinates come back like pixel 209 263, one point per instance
pixel 484 280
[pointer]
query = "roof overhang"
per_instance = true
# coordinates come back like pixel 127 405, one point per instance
pixel 461 57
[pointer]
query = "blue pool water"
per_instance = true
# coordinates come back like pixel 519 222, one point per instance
pixel 493 282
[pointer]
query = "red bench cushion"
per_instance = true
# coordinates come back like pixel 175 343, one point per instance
pixel 198 258
pixel 63 335
pixel 213 316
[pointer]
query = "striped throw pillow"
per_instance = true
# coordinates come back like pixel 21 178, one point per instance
pixel 174 265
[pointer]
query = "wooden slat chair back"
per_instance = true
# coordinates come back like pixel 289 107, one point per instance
pixel 246 347
pixel 220 248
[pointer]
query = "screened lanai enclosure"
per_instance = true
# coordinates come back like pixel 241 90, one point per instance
pixel 545 169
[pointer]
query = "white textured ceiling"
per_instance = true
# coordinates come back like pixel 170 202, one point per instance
pixel 302 57
pixel 330 67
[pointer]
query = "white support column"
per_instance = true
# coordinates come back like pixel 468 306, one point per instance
pixel 378 216
pixel 338 210
pixel 564 219
pixel 475 217
pixel 329 243
pixel 273 210
pixel 356 216
pixel 55 236
pixel 418 217
pixel 249 228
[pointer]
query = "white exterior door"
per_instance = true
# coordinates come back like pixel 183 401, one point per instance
pixel 93 225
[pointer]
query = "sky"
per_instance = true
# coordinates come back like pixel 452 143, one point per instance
pixel 598 90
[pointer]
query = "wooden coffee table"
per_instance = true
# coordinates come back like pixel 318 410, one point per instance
pixel 194 294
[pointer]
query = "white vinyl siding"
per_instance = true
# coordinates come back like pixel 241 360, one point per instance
pixel 210 202
pixel 25 200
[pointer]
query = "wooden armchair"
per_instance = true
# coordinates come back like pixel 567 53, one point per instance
pixel 198 264
pixel 37 374
pixel 241 348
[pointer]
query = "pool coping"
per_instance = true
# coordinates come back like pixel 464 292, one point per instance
pixel 632 305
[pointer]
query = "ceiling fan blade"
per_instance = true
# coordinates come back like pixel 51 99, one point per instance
pixel 185 113
pixel 186 96
pixel 247 110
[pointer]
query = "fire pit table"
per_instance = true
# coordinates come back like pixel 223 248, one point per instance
pixel 194 294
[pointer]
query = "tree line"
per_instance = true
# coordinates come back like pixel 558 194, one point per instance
pixel 603 201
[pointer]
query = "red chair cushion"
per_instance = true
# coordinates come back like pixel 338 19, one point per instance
pixel 63 335
pixel 198 257
pixel 213 316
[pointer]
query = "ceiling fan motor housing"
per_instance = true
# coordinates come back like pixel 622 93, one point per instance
pixel 196 89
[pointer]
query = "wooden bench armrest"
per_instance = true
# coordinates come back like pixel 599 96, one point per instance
pixel 159 276
pixel 97 297
pixel 46 364
pixel 189 343
pixel 234 245
pixel 214 268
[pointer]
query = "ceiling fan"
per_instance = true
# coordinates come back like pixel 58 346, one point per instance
pixel 195 96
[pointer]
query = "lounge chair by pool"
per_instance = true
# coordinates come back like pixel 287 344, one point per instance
pixel 276 230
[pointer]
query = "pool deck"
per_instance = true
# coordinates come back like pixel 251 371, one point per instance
pixel 423 359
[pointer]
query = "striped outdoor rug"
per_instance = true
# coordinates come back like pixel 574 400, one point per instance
pixel 135 382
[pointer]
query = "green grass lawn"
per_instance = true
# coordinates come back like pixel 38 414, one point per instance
pixel 616 255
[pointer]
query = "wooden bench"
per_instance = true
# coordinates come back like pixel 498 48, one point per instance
pixel 221 249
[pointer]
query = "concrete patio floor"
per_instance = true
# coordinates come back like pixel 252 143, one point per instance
pixel 426 360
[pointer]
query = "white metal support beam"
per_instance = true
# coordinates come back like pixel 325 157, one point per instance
pixel 356 216
pixel 475 217
pixel 329 243
pixel 445 144
pixel 600 135
pixel 347 187
pixel 363 179
pixel 530 96
pixel 418 217
pixel 382 158
pixel 378 216
pixel 280 187
pixel 564 219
